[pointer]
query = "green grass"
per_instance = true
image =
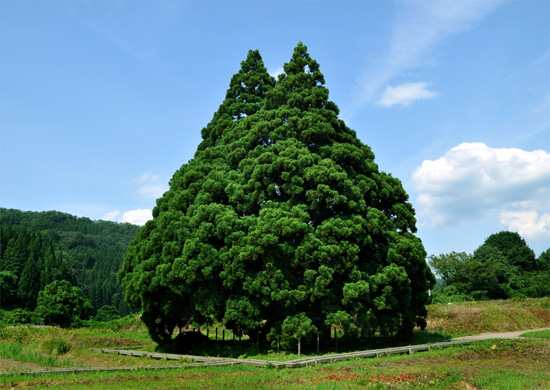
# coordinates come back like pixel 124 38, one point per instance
pixel 466 318
pixel 540 334
pixel 15 351
pixel 505 364
pixel 492 364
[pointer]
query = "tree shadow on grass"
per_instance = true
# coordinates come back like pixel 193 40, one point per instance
pixel 193 343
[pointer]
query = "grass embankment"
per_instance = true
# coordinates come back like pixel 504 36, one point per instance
pixel 469 318
pixel 491 364
pixel 46 347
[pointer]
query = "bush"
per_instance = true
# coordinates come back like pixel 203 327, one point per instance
pixel 61 303
pixel 62 347
pixel 107 313
pixel 57 345
pixel 449 294
pixel 16 317
pixel 18 334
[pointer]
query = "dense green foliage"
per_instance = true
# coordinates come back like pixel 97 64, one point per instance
pixel 503 267
pixel 38 248
pixel 28 264
pixel 107 313
pixel 282 214
pixel 61 303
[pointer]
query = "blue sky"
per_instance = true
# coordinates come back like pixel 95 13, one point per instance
pixel 102 101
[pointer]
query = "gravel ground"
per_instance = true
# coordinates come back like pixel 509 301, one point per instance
pixel 505 335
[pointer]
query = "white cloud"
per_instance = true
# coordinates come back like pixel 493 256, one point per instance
pixel 275 73
pixel 472 180
pixel 147 177
pixel 419 27
pixel 137 217
pixel 111 216
pixel 527 223
pixel 405 94
pixel 150 189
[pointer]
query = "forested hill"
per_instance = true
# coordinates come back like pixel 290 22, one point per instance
pixel 91 250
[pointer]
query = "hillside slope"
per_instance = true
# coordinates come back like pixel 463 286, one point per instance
pixel 93 249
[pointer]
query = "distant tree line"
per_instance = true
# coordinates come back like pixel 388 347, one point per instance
pixel 60 251
pixel 502 267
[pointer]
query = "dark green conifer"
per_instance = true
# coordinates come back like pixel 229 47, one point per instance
pixel 281 214
pixel 29 283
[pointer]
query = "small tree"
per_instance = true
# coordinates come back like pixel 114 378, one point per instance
pixel 61 303
pixel 447 264
pixel 297 327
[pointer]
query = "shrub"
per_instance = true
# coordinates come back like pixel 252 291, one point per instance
pixel 107 313
pixel 16 317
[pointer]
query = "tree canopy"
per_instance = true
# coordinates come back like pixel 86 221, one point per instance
pixel 37 248
pixel 62 304
pixel 502 267
pixel 282 214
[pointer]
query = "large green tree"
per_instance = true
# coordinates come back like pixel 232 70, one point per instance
pixel 515 249
pixel 502 267
pixel 282 213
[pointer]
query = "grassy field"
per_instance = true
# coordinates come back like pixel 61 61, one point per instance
pixel 539 334
pixel 489 364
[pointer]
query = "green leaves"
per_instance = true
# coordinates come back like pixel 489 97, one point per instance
pixel 62 304
pixel 282 219
pixel 297 326
pixel 503 267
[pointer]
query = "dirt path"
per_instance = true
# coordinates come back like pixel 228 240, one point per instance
pixel 505 335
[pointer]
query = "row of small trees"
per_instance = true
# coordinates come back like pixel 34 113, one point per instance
pixel 502 267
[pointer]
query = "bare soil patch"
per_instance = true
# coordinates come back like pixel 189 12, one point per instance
pixel 8 365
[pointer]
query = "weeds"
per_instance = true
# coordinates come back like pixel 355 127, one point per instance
pixel 59 346
pixel 15 351
pixel 459 319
